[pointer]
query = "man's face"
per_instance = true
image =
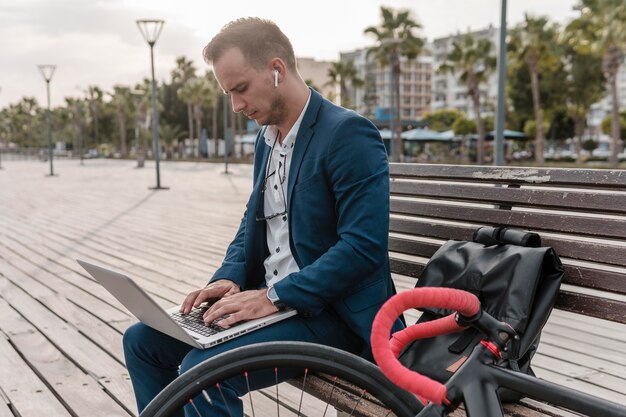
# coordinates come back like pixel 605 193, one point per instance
pixel 251 90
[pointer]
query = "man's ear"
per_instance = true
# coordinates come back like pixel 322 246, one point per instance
pixel 278 69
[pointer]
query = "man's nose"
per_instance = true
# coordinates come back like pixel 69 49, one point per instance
pixel 237 103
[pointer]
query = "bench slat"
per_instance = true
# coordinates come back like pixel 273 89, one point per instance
pixel 553 199
pixel 590 226
pixel 615 179
pixel 426 228
pixel 589 305
pixel 566 248
pixel 609 281
pixel 343 396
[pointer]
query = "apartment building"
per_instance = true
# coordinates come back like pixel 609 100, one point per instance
pixel 374 99
pixel 447 92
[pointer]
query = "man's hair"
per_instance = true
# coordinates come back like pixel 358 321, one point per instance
pixel 258 39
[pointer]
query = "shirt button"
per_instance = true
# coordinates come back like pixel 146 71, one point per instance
pixel 284 218
pixel 275 272
pixel 275 187
pixel 277 249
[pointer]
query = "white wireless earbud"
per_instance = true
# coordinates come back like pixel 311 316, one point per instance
pixel 275 78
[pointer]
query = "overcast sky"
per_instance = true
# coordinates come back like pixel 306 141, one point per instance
pixel 96 42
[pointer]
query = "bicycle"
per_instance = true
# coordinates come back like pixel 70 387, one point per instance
pixel 393 389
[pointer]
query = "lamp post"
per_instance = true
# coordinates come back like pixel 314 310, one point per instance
pixel 150 30
pixel 47 71
pixel 498 149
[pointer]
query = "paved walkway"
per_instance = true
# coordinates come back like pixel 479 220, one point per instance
pixel 60 332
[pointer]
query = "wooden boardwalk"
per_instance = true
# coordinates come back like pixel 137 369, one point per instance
pixel 60 332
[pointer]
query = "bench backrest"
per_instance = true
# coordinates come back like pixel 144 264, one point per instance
pixel 581 213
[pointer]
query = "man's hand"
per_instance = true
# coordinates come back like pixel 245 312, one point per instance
pixel 217 289
pixel 246 305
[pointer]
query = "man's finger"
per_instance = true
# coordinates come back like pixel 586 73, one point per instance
pixel 215 313
pixel 188 302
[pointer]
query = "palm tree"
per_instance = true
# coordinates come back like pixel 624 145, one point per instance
pixel 215 105
pixel 474 62
pixel 601 22
pixel 121 99
pixel 26 118
pixel 341 73
pixel 395 37
pixel 533 43
pixel 72 105
pixel 185 71
pixel 94 95
pixel 142 114
pixel 171 134
pixel 198 92
pixel 586 82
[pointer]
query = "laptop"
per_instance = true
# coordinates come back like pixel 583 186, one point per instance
pixel 189 328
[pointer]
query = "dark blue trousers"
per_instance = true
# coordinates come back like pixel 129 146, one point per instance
pixel 154 359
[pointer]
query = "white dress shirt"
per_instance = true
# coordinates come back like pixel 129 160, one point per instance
pixel 280 262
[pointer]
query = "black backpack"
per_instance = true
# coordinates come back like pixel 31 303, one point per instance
pixel 516 281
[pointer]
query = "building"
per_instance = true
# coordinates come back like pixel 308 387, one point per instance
pixel 600 110
pixel 374 99
pixel 447 92
pixel 315 73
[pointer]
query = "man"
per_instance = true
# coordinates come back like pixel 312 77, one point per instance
pixel 314 235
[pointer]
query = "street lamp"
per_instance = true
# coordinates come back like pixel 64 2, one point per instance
pixel 150 30
pixel 498 149
pixel 47 71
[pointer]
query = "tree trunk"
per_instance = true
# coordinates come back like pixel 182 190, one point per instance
pixel 190 120
pixel 397 127
pixel 197 111
pixel 121 117
pixel 343 89
pixel 534 83
pixel 579 130
pixel 214 127
pixel 233 124
pixel 480 127
pixel 612 60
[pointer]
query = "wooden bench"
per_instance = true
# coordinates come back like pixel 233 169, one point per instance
pixel 581 213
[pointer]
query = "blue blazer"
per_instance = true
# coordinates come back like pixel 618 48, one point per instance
pixel 338 213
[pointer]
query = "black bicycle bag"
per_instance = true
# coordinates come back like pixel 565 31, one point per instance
pixel 517 282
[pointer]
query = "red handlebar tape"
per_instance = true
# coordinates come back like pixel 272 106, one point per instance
pixel 386 351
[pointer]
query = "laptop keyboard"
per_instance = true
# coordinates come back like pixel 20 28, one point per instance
pixel 194 322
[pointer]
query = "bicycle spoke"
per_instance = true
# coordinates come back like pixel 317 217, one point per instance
pixel 306 372
pixel 357 403
pixel 277 403
pixel 224 399
pixel 249 392
pixel 195 408
pixel 330 397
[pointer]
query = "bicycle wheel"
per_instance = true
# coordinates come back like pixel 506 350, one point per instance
pixel 362 388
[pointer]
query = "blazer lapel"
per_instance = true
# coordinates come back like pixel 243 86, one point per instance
pixel 258 195
pixel 305 133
